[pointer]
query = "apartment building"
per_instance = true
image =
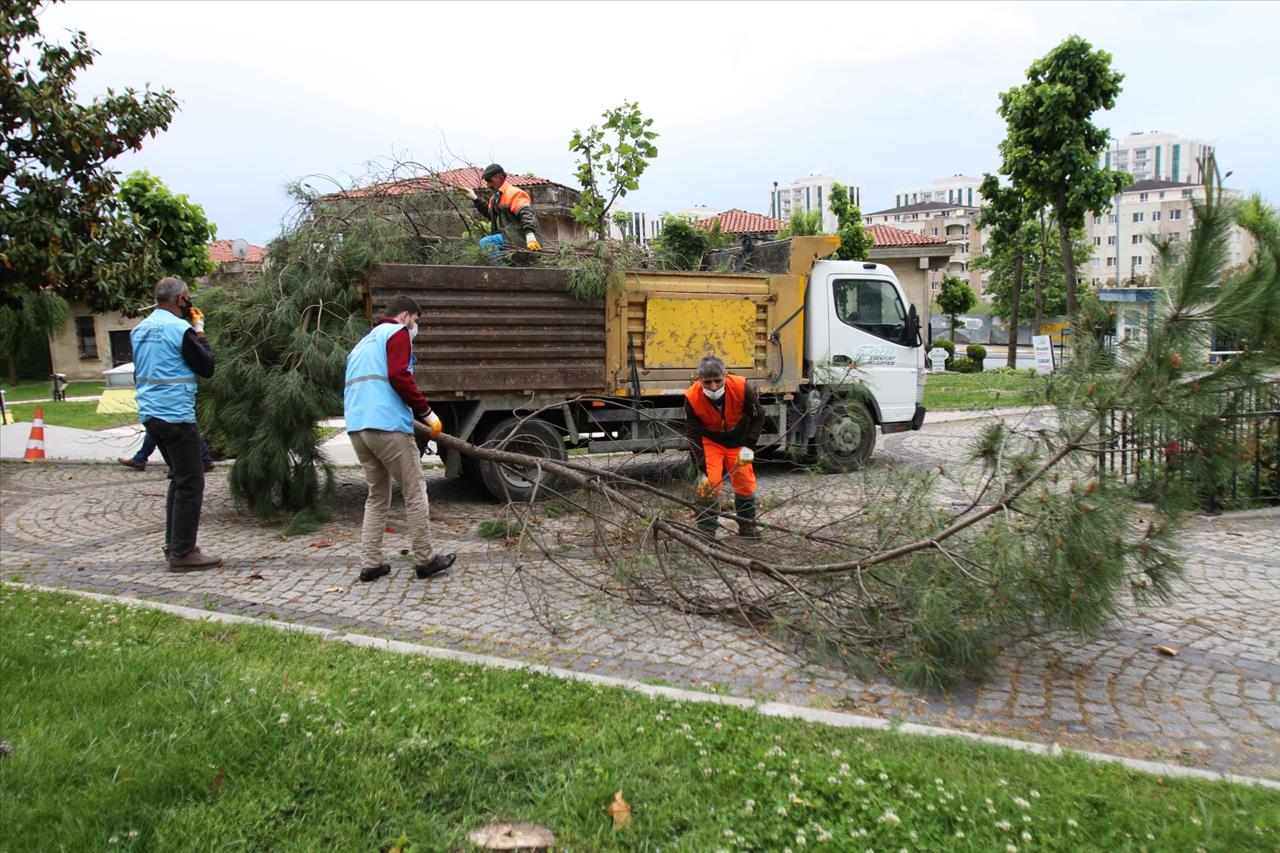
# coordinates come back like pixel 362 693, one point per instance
pixel 957 189
pixel 955 223
pixel 1156 156
pixel 812 192
pixel 1122 238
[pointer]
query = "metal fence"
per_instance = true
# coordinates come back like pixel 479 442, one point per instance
pixel 1151 455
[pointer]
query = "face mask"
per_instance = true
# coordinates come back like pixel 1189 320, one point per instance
pixel 714 395
pixel 413 331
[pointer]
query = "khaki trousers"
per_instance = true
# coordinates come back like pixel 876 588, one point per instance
pixel 388 456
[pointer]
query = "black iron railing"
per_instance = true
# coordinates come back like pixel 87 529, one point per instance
pixel 1154 453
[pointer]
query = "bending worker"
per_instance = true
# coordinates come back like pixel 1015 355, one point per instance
pixel 723 419
pixel 510 213
pixel 380 402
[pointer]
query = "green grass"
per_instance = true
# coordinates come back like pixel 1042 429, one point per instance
pixel 78 414
pixel 32 389
pixel 142 729
pixel 982 390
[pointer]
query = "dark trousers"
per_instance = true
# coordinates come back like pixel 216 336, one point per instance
pixel 180 446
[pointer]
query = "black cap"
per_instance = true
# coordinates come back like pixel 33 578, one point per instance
pixel 491 170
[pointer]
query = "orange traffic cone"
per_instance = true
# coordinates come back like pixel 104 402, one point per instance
pixel 35 444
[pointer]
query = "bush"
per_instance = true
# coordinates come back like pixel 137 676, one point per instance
pixel 977 352
pixel 964 365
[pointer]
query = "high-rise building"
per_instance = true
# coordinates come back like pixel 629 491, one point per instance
pixel 1156 156
pixel 1122 239
pixel 812 192
pixel 955 190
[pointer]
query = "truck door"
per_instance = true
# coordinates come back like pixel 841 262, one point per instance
pixel 867 325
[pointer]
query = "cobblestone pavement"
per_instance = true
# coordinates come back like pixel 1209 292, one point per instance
pixel 1216 704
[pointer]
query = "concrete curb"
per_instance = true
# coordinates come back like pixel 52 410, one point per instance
pixel 837 719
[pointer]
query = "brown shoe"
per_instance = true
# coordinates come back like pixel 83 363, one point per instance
pixel 194 561
pixel 209 466
pixel 129 463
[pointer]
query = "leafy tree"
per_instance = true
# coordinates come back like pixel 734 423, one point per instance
pixel 58 194
pixel 1004 216
pixel 1052 147
pixel 804 223
pixel 855 240
pixel 28 323
pixel 171 230
pixel 612 157
pixel 955 298
pixel 681 244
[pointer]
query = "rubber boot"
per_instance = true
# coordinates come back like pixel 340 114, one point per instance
pixel 707 519
pixel 745 509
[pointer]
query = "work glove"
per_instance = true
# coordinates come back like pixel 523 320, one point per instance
pixel 433 421
pixel 746 456
pixel 703 488
pixel 197 320
pixel 532 242
pixel 468 192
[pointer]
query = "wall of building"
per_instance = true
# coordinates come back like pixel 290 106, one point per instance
pixel 84 349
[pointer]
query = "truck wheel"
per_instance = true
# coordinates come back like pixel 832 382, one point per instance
pixel 532 437
pixel 846 436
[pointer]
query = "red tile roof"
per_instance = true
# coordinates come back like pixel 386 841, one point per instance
pixel 743 222
pixel 439 182
pixel 887 235
pixel 221 252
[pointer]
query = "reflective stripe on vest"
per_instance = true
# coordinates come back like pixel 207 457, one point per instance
pixel 166 384
pixel 735 391
pixel 368 400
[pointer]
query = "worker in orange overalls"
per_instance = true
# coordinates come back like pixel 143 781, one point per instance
pixel 723 419
pixel 510 213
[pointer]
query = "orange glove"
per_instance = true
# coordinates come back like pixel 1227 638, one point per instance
pixel 197 319
pixel 433 421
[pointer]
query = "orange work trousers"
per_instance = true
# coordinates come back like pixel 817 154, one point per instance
pixel 720 458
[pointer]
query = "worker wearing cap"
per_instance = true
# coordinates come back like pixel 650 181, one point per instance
pixel 723 420
pixel 510 213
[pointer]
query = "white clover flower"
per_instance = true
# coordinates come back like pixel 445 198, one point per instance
pixel 112 840
pixel 912 837
pixel 884 777
pixel 959 833
pixel 1004 825
pixel 750 805
pixel 706 771
pixel 795 780
pixel 801 840
pixel 782 811
pixel 1071 822
pixel 1035 795
pixel 1002 783
pixel 1026 836
pixel 1021 803
pixel 639 730
pixel 283 721
pixel 937 782
pixel 890 818
pixel 831 780
pixel 133 833
pixel 1011 848
pixel 859 782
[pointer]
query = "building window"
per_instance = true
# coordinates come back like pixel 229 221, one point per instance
pixel 1111 262
pixel 1186 193
pixel 1113 219
pixel 1093 261
pixel 1176 213
pixel 1137 260
pixel 1137 238
pixel 1137 217
pixel 1177 156
pixel 1097 220
pixel 86 338
pixel 1175 237
pixel 1111 241
pixel 1155 216
pixel 1143 196
pixel 1160 196
pixel 1097 241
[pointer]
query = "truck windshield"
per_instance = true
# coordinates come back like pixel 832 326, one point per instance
pixel 870 305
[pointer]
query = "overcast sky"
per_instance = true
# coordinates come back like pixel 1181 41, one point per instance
pixel 889 95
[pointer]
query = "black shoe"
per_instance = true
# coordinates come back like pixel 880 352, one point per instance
pixel 374 572
pixel 434 566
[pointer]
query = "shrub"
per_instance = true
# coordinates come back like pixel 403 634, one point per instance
pixel 964 365
pixel 977 352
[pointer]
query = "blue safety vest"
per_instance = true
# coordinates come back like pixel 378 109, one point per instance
pixel 166 383
pixel 368 400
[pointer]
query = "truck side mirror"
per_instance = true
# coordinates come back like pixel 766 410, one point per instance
pixel 911 334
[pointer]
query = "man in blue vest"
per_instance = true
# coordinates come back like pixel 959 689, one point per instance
pixel 381 402
pixel 169 352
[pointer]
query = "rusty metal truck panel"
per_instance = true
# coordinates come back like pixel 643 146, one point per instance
pixel 497 330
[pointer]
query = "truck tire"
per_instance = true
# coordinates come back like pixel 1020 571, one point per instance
pixel 846 436
pixel 530 436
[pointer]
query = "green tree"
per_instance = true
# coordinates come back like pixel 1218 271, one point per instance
pixel 1051 148
pixel 170 230
pixel 855 240
pixel 681 243
pixel 803 223
pixel 1004 216
pixel 955 298
pixel 611 158
pixel 58 192
pixel 28 323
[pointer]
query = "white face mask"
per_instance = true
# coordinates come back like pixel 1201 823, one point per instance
pixel 714 395
pixel 413 331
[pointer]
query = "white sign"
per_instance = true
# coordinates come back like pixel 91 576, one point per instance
pixel 938 356
pixel 1044 353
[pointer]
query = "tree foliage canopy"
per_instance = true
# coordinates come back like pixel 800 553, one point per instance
pixel 855 240
pixel 956 297
pixel 803 223
pixel 611 158
pixel 57 194
pixel 1052 147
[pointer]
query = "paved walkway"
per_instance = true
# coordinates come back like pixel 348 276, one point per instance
pixel 1216 704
